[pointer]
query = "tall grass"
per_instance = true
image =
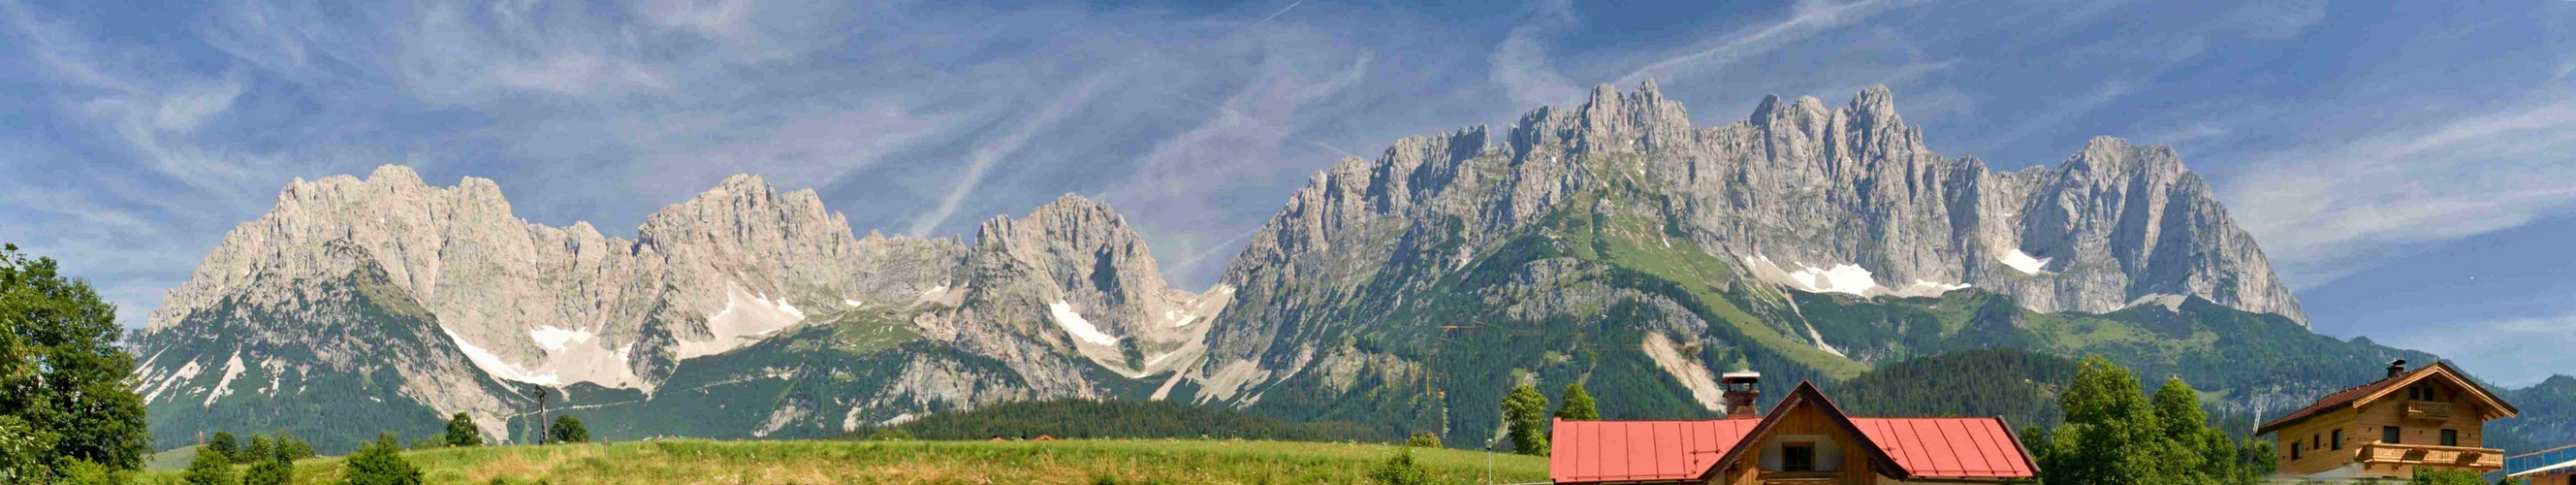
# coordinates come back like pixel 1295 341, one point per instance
pixel 690 462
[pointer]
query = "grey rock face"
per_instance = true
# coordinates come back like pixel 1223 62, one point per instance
pixel 520 302
pixel 1810 197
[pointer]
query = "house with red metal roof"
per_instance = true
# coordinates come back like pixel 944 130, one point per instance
pixel 2432 417
pixel 1804 439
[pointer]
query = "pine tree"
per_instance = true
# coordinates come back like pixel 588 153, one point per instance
pixel 380 463
pixel 1525 412
pixel 293 448
pixel 1578 405
pixel 461 431
pixel 210 467
pixel 567 429
pixel 225 445
pixel 258 450
pixel 272 468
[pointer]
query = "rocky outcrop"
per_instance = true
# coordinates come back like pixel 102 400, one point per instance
pixel 1810 197
pixel 1069 287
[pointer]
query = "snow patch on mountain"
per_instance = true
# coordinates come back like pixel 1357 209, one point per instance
pixel 184 374
pixel 1073 323
pixel 2022 261
pixel 746 318
pixel 2171 302
pixel 1841 278
pixel 493 364
pixel 553 339
pixel 232 368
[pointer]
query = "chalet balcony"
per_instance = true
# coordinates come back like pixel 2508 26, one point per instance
pixel 2447 457
pixel 2428 411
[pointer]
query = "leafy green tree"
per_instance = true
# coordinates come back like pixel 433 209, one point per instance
pixel 1400 470
pixel 890 434
pixel 292 447
pixel 78 472
pixel 462 432
pixel 2424 476
pixel 2110 433
pixel 1423 439
pixel 567 429
pixel 380 463
pixel 274 468
pixel 1578 405
pixel 64 391
pixel 210 467
pixel 258 449
pixel 226 445
pixel 1525 413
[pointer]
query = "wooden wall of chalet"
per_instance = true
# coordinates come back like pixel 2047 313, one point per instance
pixel 1804 420
pixel 2362 426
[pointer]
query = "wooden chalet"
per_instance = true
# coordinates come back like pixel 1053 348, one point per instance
pixel 1804 439
pixel 2432 417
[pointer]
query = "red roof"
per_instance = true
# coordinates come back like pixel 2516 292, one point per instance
pixel 1633 451
pixel 1949 447
pixel 1626 451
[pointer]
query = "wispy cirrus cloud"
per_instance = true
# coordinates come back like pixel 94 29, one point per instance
pixel 2327 209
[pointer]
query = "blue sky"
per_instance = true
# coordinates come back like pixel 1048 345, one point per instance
pixel 2408 166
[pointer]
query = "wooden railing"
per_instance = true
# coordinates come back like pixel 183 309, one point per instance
pixel 2453 457
pixel 2429 411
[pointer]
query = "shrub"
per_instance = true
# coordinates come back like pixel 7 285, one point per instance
pixel 82 472
pixel 2446 477
pixel 462 432
pixel 567 429
pixel 1401 470
pixel 1423 439
pixel 381 463
pixel 210 467
pixel 890 434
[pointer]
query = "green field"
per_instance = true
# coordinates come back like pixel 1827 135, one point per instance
pixel 694 462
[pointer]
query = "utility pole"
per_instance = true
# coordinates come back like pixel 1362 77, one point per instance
pixel 541 416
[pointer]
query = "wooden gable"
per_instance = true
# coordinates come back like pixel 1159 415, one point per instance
pixel 2443 379
pixel 1805 416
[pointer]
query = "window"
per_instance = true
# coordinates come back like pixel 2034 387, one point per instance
pixel 2315 443
pixel 2450 437
pixel 2388 435
pixel 2415 393
pixel 1798 457
pixel 2294 450
pixel 2338 440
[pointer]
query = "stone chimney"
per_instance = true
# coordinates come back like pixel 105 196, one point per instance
pixel 1741 389
pixel 2396 367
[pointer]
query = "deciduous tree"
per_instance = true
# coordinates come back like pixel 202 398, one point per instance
pixel 1525 413
pixel 64 394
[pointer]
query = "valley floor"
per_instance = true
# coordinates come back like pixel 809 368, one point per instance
pixel 695 462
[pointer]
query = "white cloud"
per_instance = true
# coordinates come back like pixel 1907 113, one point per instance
pixel 1521 63
pixel 1807 18
pixel 986 155
pixel 576 73
pixel 2330 208
pixel 2513 351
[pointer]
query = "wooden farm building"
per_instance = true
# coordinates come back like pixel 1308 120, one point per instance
pixel 1804 439
pixel 2432 417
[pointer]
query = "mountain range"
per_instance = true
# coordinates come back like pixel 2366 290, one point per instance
pixel 1613 243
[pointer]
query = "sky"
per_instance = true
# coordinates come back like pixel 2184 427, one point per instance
pixel 2409 167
